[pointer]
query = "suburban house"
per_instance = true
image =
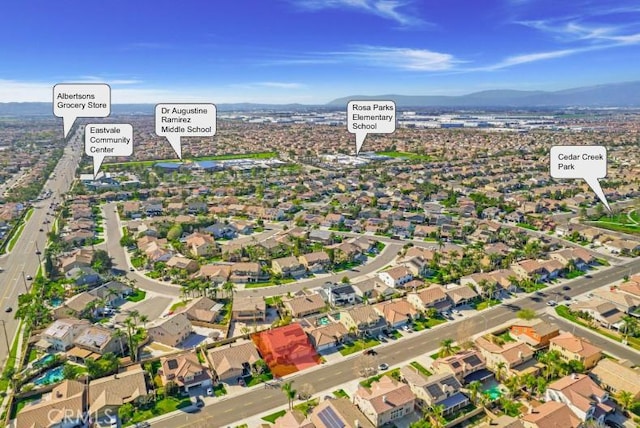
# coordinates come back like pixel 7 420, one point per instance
pixel 614 376
pixel 581 258
pixel 216 273
pixel 396 312
pixel 339 412
pixel 396 277
pixel 287 348
pixel 606 313
pixel 433 296
pixel 315 262
pixel 111 392
pixel 572 347
pixel 76 306
pixel 535 332
pixel 362 320
pixel 517 357
pixel 583 396
pixel 249 308
pixel 306 304
pixel 245 272
pixel 201 309
pixel 530 269
pixel 625 302
pixel 170 331
pixel 551 414
pixel 185 371
pixel 461 295
pixel 233 361
pixel 63 332
pixel 64 407
pixel 460 364
pixel 100 340
pixel 179 262
pixel 288 267
pixel 339 294
pixel 385 401
pixel 327 336
pixel 113 292
pixel 201 244
pixel 439 389
pixel 294 418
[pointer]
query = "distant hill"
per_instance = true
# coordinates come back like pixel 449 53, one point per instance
pixel 42 109
pixel 609 95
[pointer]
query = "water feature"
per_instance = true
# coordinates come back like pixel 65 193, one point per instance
pixel 323 321
pixel 49 377
pixel 493 393
pixel 44 360
pixel 56 302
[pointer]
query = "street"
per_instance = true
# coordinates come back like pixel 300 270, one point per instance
pixel 258 400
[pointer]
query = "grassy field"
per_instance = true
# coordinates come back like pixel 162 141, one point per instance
pixel 406 155
pixel 358 345
pixel 258 155
pixel 273 416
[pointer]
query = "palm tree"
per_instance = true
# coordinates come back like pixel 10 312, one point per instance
pixel 625 399
pixel 290 393
pixel 119 335
pixel 144 319
pixel 436 417
pixel 446 348
pixel 500 366
pixel 630 325
pixel 229 288
pixel 474 388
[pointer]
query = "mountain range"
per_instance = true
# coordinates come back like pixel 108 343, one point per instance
pixel 625 94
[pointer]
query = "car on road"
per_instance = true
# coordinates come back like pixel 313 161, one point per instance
pixel 41 230
pixel 552 303
pixel 8 309
pixel 38 252
pixel 29 277
pixel 566 297
pixel 131 269
pixel 383 367
pixel 588 276
pixel 566 288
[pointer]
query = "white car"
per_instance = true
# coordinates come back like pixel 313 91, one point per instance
pixel 210 392
pixel 383 367
pixel 552 303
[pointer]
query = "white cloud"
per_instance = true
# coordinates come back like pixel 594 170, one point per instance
pixel 401 58
pixel 387 9
pixel 281 85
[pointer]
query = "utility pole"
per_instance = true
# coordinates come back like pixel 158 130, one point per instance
pixel 6 338
pixel 24 279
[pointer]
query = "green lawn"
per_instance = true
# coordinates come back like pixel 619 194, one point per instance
pixel 506 337
pixel 137 295
pixel 15 237
pixel 307 406
pixel 420 368
pixel 177 305
pixel 161 407
pixel 273 416
pixel 258 379
pixel 574 274
pixel 269 283
pixel 436 355
pixel 358 345
pixel 339 393
pixel 427 323
pixel 219 390
pixel 406 155
pixel 526 226
pixel 486 304
pixel 19 404
pixel 259 155
pixel 367 382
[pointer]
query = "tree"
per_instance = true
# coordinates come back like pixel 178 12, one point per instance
pixel 446 348
pixel 289 392
pixel 436 416
pixel 175 232
pixel 345 280
pixel 229 288
pixel 625 399
pixel 474 388
pixel 500 366
pixel 526 314
pixel 101 262
pixel 126 412
pixel 171 388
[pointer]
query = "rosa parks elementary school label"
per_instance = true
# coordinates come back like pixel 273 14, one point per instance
pixel 370 117
pixel 74 100
pixel 586 162
pixel 185 120
pixel 107 139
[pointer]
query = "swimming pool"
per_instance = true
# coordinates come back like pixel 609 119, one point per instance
pixel 323 321
pixel 55 302
pixel 44 360
pixel 493 393
pixel 50 376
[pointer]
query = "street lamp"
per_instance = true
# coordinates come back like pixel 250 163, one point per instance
pixel 24 279
pixel 6 338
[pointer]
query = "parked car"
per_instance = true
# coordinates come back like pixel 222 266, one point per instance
pixel 552 303
pixel 381 338
pixel 210 392
pixel 29 277
pixel 566 288
pixel 383 367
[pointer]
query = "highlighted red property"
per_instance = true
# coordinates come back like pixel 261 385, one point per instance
pixel 286 349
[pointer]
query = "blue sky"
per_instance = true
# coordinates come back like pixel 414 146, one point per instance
pixel 311 51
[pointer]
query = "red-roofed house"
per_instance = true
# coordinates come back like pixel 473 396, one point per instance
pixel 286 349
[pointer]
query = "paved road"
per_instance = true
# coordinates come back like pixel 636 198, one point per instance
pixel 145 283
pixel 259 400
pixel 23 258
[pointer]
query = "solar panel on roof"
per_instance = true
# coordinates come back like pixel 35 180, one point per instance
pixel 330 419
pixel 173 364
pixel 472 360
pixel 434 390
